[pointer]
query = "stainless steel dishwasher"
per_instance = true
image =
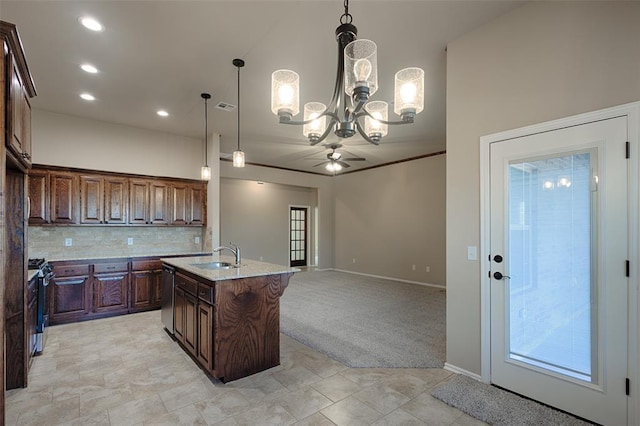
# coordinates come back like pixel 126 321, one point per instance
pixel 168 284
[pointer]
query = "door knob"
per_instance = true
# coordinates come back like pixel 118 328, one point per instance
pixel 499 276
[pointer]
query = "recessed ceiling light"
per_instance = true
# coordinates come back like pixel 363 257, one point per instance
pixel 91 23
pixel 89 68
pixel 162 113
pixel 87 97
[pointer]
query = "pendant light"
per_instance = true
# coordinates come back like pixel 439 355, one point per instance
pixel 205 171
pixel 238 155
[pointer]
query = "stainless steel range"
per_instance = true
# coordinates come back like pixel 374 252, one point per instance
pixel 45 274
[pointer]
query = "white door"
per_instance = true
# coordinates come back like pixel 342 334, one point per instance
pixel 558 217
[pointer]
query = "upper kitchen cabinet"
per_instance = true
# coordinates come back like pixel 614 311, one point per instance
pixel 38 197
pixel 116 198
pixel 64 196
pixel 103 199
pixel 19 90
pixel 187 203
pixel 159 203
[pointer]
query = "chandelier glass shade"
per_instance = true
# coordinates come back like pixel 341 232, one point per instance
pixel 356 82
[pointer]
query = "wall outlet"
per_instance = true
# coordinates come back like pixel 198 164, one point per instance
pixel 68 242
pixel 260 258
pixel 197 240
pixel 427 269
pixel 129 241
pixel 413 267
pixel 354 260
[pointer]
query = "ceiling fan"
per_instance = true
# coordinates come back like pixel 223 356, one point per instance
pixel 335 161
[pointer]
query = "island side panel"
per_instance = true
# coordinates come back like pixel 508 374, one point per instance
pixel 248 325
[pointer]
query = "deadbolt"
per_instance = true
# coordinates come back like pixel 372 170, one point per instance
pixel 497 258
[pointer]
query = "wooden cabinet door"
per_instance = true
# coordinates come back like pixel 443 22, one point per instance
pixel 110 292
pixel 64 197
pixel 142 287
pixel 179 303
pixel 180 204
pixel 197 210
pixel 91 199
pixel 38 197
pixel 26 127
pixel 68 298
pixel 157 288
pixel 159 203
pixel 116 198
pixel 206 315
pixel 14 109
pixel 191 323
pixel 139 201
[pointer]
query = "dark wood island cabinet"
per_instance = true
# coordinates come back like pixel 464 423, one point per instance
pixel 229 320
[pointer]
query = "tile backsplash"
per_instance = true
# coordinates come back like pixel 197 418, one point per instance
pixel 105 241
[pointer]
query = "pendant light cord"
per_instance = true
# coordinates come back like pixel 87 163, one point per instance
pixel 238 108
pixel 206 134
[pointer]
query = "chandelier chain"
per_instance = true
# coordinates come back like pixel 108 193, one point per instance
pixel 346 17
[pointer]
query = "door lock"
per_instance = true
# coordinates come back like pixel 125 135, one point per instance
pixel 499 276
pixel 497 258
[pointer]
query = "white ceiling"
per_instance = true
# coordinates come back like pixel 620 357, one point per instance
pixel 162 54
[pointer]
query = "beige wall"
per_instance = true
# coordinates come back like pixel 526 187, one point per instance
pixel 322 186
pixel 64 140
pixel 256 217
pixel 391 218
pixel 543 61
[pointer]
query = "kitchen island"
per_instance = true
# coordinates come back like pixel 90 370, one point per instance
pixel 228 320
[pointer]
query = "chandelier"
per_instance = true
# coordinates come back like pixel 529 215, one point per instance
pixel 356 81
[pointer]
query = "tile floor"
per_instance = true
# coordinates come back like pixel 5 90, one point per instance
pixel 127 371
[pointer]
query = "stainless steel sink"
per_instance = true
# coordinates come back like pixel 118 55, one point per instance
pixel 214 265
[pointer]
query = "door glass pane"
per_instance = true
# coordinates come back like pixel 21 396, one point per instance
pixel 551 242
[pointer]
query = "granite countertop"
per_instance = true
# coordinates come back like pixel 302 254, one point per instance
pixel 248 268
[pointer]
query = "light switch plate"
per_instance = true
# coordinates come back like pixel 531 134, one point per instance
pixel 129 241
pixel 472 253
pixel 68 242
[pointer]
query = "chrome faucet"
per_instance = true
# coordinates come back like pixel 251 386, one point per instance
pixel 235 250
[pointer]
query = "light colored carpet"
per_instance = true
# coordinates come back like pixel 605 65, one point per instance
pixel 366 322
pixel 499 407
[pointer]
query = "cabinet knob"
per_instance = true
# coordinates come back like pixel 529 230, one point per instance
pixel 26 155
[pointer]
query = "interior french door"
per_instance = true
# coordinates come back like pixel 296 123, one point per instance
pixel 298 231
pixel 559 251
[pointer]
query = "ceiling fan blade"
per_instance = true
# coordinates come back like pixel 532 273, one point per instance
pixel 354 159
pixel 343 164
pixel 320 164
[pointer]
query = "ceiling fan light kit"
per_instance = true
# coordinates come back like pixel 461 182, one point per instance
pixel 356 81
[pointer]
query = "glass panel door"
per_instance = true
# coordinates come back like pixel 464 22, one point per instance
pixel 551 240
pixel 298 236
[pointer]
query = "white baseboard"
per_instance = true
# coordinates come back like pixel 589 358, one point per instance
pixel 458 370
pixel 385 278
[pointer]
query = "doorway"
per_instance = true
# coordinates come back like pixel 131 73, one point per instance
pixel 298 235
pixel 557 240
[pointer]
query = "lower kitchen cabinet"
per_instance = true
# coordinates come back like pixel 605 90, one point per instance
pixel 206 315
pixel 110 287
pixel 69 293
pixel 186 313
pixel 82 291
pixel 146 285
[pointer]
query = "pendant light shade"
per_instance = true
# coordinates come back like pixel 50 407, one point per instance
pixel 238 155
pixel 205 171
